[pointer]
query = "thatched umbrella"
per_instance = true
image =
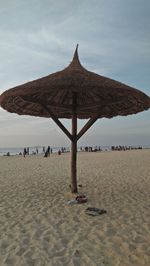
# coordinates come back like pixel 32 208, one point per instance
pixel 74 93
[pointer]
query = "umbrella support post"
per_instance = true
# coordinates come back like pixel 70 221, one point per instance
pixel 74 188
pixel 74 137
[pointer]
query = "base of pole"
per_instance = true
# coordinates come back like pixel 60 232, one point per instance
pixel 73 190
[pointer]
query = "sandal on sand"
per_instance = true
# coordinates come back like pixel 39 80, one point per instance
pixel 77 200
pixel 81 199
pixel 94 211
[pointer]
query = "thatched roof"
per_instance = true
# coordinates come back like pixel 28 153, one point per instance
pixel 95 94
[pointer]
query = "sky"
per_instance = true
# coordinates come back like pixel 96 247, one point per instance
pixel 38 38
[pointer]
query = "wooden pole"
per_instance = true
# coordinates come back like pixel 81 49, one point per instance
pixel 74 188
pixel 74 137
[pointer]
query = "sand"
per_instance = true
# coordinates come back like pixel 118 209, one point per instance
pixel 38 227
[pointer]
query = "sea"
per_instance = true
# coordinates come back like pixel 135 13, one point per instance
pixel 33 149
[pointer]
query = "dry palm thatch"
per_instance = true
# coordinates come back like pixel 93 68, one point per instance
pixel 74 93
pixel 95 94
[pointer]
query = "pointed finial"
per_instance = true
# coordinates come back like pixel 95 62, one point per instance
pixel 76 57
pixel 75 61
pixel 76 50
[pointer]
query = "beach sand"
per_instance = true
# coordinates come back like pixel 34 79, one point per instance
pixel 38 227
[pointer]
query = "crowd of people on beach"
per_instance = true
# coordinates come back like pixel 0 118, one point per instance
pixel 125 148
pixel 48 151
pixel 45 151
pixel 113 148
pixel 90 148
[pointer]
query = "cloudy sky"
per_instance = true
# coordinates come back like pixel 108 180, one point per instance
pixel 39 37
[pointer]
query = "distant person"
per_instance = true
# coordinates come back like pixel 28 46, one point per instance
pixel 24 152
pixel 47 153
pixel 59 152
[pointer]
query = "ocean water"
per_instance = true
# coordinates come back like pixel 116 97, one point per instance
pixel 32 150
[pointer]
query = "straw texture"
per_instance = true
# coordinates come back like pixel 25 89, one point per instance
pixel 95 94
